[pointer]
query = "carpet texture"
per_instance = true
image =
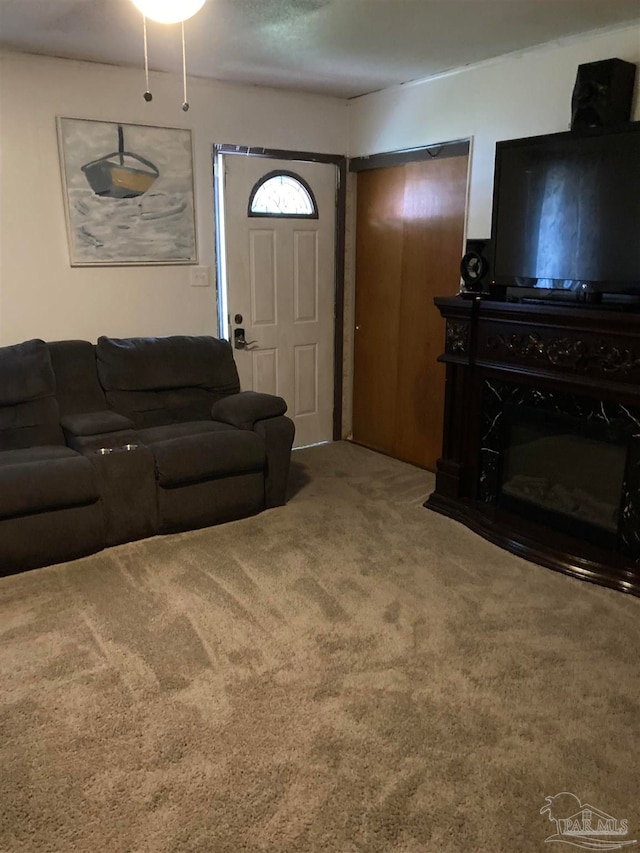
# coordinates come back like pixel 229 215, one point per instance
pixel 350 673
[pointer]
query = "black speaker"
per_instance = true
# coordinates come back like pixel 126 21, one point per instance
pixel 603 94
pixel 475 266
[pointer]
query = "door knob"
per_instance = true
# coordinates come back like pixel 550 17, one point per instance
pixel 239 340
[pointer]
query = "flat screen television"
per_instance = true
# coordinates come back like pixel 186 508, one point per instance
pixel 566 213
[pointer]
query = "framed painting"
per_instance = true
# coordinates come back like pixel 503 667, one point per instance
pixel 128 193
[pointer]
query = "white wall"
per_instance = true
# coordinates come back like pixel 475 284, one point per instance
pixel 518 95
pixel 40 294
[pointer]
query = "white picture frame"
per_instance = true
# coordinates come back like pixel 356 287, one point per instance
pixel 128 193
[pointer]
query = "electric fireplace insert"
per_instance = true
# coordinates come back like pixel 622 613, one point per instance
pixel 564 471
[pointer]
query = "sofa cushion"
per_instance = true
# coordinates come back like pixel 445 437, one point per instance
pixel 194 458
pixel 179 361
pixel 44 478
pixel 77 386
pixel 36 454
pixel 32 423
pixel 155 408
pixel 163 433
pixel 157 381
pixel 29 412
pixel 25 373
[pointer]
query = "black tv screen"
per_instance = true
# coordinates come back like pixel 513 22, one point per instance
pixel 566 211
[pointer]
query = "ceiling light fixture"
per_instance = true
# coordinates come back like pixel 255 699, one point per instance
pixel 167 12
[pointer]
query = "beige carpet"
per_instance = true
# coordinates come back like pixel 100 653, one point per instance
pixel 350 673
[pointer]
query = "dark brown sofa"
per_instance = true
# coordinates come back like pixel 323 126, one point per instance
pixel 107 443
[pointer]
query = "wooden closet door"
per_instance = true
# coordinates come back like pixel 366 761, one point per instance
pixel 379 238
pixel 409 241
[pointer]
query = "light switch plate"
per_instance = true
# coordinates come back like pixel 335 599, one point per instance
pixel 200 276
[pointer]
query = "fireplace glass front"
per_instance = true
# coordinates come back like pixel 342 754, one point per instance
pixel 563 472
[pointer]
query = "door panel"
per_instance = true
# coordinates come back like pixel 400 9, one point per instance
pixel 265 371
pixel 281 279
pixel 306 380
pixel 379 238
pixel 262 248
pixel 410 231
pixel 305 249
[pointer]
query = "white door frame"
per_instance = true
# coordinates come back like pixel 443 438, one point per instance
pixel 340 163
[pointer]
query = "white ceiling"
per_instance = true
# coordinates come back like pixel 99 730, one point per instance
pixel 337 47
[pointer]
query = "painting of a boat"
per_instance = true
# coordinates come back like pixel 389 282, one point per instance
pixel 135 205
pixel 120 174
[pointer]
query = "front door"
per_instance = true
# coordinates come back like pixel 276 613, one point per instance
pixel 279 224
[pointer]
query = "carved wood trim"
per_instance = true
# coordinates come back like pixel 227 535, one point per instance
pixel 582 355
pixel 457 338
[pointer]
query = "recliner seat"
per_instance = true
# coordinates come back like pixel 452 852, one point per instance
pixel 168 388
pixel 49 500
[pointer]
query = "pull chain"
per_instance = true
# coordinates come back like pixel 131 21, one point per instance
pixel 147 95
pixel 185 103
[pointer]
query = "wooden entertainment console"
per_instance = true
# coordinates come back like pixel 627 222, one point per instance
pixel 523 379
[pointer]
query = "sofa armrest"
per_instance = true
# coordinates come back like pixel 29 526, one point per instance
pixel 95 423
pixel 88 431
pixel 243 410
pixel 278 435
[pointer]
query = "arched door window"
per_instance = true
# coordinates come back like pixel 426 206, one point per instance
pixel 283 194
